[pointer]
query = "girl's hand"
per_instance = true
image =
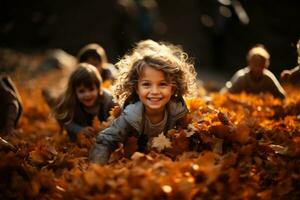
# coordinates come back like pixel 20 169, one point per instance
pixel 89 131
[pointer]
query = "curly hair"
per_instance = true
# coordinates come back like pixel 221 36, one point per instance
pixel 170 59
pixel 86 75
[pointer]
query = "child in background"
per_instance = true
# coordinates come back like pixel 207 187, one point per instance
pixel 10 106
pixel 152 82
pixel 95 55
pixel 256 78
pixel 292 75
pixel 82 101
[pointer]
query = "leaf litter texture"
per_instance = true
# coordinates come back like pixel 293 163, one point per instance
pixel 231 147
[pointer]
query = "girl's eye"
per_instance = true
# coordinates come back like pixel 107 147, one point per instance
pixel 146 84
pixel 163 84
pixel 92 89
pixel 81 90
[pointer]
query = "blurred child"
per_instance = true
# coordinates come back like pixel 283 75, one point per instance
pixel 10 106
pixel 152 82
pixel 292 75
pixel 256 78
pixel 95 55
pixel 82 101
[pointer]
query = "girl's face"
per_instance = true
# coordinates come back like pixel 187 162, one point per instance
pixel 154 90
pixel 86 95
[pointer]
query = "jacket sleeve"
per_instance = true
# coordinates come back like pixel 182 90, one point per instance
pixel 275 88
pixel 107 140
pixel 73 128
pixel 295 74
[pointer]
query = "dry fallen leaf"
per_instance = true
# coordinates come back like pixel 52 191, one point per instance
pixel 161 142
pixel 96 124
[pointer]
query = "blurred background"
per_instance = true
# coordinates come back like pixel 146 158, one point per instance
pixel 216 33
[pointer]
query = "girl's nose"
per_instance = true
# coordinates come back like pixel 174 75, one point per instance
pixel 87 94
pixel 155 89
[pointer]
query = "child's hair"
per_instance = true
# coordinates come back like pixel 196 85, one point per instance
pixel 86 75
pixel 162 56
pixel 92 50
pixel 259 50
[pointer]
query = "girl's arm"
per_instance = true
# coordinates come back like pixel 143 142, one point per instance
pixel 295 73
pixel 275 88
pixel 107 140
pixel 73 128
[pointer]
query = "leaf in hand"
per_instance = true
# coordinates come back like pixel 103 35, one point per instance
pixel 96 124
pixel 161 142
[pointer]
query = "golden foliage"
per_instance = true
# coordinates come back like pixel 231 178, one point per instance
pixel 232 147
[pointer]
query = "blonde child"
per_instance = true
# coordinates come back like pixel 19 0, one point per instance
pixel 95 55
pixel 82 101
pixel 256 78
pixel 152 82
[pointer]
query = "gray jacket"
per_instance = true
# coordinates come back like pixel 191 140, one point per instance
pixel 130 122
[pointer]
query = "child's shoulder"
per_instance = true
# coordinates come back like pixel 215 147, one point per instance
pixel 177 107
pixel 133 114
pixel 243 72
pixel 106 93
pixel 134 109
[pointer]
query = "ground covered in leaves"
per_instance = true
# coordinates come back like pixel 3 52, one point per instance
pixel 229 147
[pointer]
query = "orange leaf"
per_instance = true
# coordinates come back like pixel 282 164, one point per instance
pixel 96 124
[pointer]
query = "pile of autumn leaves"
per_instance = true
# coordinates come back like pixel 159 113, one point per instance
pixel 229 147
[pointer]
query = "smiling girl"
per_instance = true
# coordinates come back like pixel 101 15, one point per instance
pixel 82 101
pixel 151 84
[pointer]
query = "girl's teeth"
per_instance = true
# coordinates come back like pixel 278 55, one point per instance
pixel 154 99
